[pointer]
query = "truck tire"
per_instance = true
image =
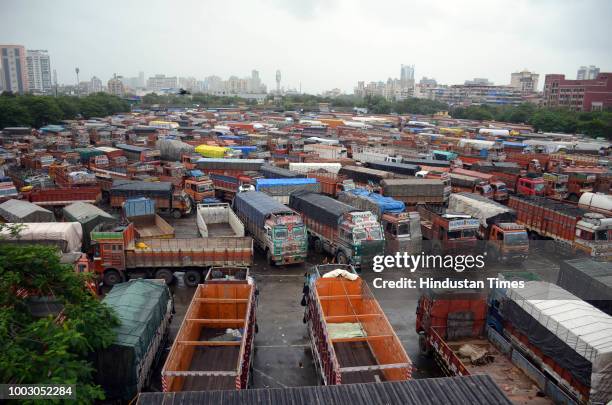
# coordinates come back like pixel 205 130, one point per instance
pixel 341 258
pixel 112 277
pixel 166 275
pixel 269 258
pixel 192 278
pixel 318 245
pixel 176 214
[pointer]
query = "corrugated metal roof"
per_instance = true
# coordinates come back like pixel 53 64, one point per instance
pixel 474 390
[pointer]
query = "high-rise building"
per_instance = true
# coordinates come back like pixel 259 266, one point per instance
pixel 39 71
pixel 115 86
pixel 14 69
pixel 587 73
pixel 525 81
pixel 407 75
pixel 141 80
pixel 578 95
pixel 161 82
pixel 95 85
pixel 278 81
pixel 187 83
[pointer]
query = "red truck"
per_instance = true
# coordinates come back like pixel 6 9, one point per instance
pixel 117 254
pixel 213 349
pixel 332 184
pixel 451 327
pixel 498 188
pixel 448 232
pixel 60 197
pixel 166 198
pixel 226 186
pixel 581 180
pixel 350 337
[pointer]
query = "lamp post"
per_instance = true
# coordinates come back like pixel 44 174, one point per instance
pixel 77 86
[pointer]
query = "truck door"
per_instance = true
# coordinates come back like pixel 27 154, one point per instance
pixel 112 255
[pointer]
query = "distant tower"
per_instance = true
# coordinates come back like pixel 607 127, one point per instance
pixel 278 80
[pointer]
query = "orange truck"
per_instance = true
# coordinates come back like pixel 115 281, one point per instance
pixel 498 188
pixel 351 339
pixel 117 254
pixel 448 232
pixel 213 349
pixel 332 184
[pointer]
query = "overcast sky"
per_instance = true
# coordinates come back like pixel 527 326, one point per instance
pixel 321 43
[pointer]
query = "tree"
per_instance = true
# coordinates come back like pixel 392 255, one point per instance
pixel 49 349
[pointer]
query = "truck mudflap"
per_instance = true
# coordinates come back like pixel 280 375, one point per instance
pixel 364 255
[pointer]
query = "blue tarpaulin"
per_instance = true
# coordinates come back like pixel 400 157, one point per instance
pixel 386 204
pixel 230 137
pixel 515 144
pixel 262 183
pixel 244 149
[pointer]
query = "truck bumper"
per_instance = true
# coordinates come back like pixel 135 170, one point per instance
pixel 280 260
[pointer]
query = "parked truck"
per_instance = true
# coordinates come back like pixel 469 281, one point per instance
pixel 117 254
pixel 414 191
pixel 218 220
pixel 166 198
pixel 213 349
pixel 332 184
pixel 145 310
pixel 570 229
pixel 589 280
pixel 274 172
pixel 281 189
pixel 278 230
pixel 402 229
pixel 396 168
pixel 498 188
pixel 596 202
pixel 226 186
pixel 349 234
pixel 452 328
pixel 350 337
pixel 447 231
pixel 506 241
pixel 463 183
pixel 365 177
pixel 556 185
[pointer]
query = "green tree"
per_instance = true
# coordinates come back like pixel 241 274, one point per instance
pixel 49 349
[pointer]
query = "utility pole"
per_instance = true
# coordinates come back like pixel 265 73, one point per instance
pixel 77 86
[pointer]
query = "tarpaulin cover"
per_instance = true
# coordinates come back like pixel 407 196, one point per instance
pixel 374 202
pixel 412 187
pixel 319 207
pixel 67 235
pixel 487 211
pixel 230 164
pixel 258 206
pixel 283 182
pixel 504 167
pixel 24 211
pixel 574 333
pixel 400 168
pixel 141 306
pixel 244 149
pixel 285 187
pixel 88 215
pixel 133 188
pixel 589 280
pixel 273 172
pixel 173 149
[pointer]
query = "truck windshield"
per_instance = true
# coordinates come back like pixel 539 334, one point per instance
pixel 360 234
pixel 403 229
pixel 539 187
pixel 516 238
pixel 204 187
pixel 280 233
pixel 466 233
pixel 298 232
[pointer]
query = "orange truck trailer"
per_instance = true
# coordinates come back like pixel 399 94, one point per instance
pixel 351 339
pixel 213 349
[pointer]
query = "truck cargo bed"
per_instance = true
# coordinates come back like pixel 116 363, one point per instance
pixel 152 227
pixel 356 354
pixel 220 229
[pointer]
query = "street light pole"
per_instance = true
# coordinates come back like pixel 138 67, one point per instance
pixel 77 86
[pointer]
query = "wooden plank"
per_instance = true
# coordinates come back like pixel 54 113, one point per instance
pixel 372 368
pixel 215 321
pixel 362 338
pixel 340 318
pixel 208 343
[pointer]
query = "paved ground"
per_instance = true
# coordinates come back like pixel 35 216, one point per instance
pixel 282 357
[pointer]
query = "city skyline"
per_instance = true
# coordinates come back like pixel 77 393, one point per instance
pixel 199 40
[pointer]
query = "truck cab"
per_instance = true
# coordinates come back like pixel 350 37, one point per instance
pixel 448 232
pixel 500 192
pixel 579 183
pixel 198 186
pixel 593 236
pixel 286 239
pixel 362 237
pixel 556 185
pixel 190 161
pixel 508 242
pixel 402 232
pixel 484 189
pixel 530 185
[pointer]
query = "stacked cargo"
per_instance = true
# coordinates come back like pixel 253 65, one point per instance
pixel 281 189
pixel 89 216
pixel 173 149
pixel 589 280
pixel 67 236
pixel 273 172
pixel 364 176
pixel 228 166
pixel 213 348
pixel 414 191
pixel 144 309
pixel 397 168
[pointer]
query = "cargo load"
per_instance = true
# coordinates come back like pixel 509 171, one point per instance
pixel 588 279
pixel 173 149
pixel 273 172
pixel 414 191
pixel 24 211
pixel 596 202
pixel 487 211
pixel 351 339
pixel 571 338
pixel 67 236
pixel 210 151
pixel 364 176
pixel 398 168
pixel 89 216
pixel 134 188
pixel 209 165
pixel 504 167
pixel 144 309
pixel 314 167
pixel 213 349
pixel 218 220
pixel 281 189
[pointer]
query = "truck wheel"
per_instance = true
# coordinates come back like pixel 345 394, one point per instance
pixel 341 257
pixel 176 214
pixel 318 245
pixel 166 275
pixel 192 278
pixel 112 277
pixel 269 258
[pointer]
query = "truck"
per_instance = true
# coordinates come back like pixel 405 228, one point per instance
pixel 315 167
pixel 436 173
pixel 568 344
pixel 162 193
pixel 522 184
pixel 8 190
pixel 556 185
pixel 351 339
pixel 118 254
pixel 589 280
pixel 350 235
pixel 579 181
pixel 61 196
pixel 447 231
pixel 327 151
pixel 145 310
pixel 213 349
pixel 143 154
pixel 218 220
pixel 402 229
pixel 332 184
pixel 195 183
pixel 227 166
pixel 365 177
pixel 226 186
pixel 452 328
pixel 395 168
pixel 414 191
pixel 506 241
pixel 463 183
pixel 274 172
pixel 500 192
pixel 281 189
pixel 278 230
pixel 570 228
pixel 596 202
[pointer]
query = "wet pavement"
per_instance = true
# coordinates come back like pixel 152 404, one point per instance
pixel 282 350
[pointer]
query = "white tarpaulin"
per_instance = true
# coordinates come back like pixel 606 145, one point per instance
pixel 480 209
pixel 584 328
pixel 68 234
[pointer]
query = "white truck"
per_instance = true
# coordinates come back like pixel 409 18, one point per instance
pixel 218 220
